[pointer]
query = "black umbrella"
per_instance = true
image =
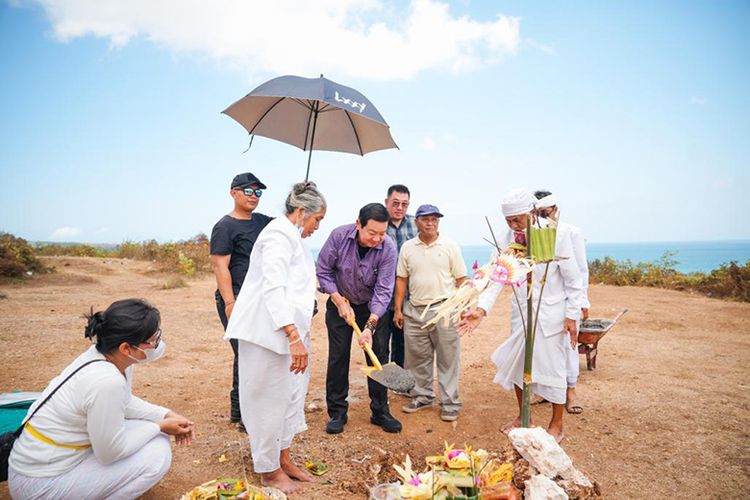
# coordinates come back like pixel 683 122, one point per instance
pixel 313 113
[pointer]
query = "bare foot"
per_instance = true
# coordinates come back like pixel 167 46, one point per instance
pixel 556 432
pixel 279 479
pixel 510 425
pixel 294 472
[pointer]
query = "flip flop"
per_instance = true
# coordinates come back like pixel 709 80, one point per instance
pixel 560 437
pixel 574 408
pixel 539 401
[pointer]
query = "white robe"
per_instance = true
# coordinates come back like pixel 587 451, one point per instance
pixel 279 290
pixel 579 251
pixel 562 299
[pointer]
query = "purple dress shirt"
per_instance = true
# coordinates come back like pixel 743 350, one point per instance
pixel 362 281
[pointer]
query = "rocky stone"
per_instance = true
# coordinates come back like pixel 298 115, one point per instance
pixel 540 487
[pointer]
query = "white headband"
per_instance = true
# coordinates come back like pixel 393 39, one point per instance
pixel 517 202
pixel 546 202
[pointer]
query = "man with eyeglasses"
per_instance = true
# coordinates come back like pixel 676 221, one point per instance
pixel 401 227
pixel 232 240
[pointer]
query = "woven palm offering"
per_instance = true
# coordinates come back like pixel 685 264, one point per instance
pixel 504 269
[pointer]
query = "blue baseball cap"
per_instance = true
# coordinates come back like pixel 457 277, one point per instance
pixel 428 210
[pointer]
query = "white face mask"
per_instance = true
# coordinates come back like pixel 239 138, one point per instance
pixel 151 354
pixel 301 222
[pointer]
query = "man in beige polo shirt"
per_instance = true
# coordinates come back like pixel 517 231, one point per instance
pixel 431 267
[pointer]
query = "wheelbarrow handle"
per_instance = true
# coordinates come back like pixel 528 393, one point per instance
pixel 619 315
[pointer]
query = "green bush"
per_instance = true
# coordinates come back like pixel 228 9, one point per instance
pixel 728 281
pixel 17 257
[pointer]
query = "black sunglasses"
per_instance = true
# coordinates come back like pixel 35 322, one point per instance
pixel 250 191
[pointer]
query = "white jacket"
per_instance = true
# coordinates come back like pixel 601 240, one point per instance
pixel 279 289
pixel 91 407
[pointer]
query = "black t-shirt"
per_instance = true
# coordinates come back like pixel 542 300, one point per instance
pixel 236 237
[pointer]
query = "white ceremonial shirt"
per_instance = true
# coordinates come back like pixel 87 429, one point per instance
pixel 92 408
pixel 279 289
pixel 579 250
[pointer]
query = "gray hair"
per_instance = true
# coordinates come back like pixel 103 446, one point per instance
pixel 305 195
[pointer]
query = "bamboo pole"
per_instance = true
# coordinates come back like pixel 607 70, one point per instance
pixel 529 351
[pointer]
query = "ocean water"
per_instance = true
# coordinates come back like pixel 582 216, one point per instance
pixel 691 256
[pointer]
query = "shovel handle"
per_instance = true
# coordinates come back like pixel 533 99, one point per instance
pixel 367 347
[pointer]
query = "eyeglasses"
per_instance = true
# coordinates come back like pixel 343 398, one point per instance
pixel 397 204
pixel 155 343
pixel 250 191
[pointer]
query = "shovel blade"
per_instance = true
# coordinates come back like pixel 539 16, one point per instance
pixel 392 376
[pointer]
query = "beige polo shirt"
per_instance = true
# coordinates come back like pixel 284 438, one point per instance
pixel 432 269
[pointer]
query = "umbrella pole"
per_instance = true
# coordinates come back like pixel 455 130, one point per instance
pixel 312 139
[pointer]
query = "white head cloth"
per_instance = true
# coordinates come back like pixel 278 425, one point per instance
pixel 517 202
pixel 546 202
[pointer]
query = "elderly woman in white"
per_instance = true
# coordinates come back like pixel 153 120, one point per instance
pixel 92 438
pixel 271 319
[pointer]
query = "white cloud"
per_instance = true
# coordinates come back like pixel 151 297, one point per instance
pixel 357 38
pixel 698 100
pixel 64 233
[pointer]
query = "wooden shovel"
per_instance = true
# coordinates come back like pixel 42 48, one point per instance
pixel 391 375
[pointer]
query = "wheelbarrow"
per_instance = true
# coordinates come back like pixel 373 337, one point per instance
pixel 590 332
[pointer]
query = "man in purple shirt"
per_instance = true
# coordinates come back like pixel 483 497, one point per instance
pixel 357 268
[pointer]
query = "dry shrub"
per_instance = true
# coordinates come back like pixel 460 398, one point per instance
pixel 728 281
pixel 173 282
pixel 185 257
pixel 17 257
pixel 71 250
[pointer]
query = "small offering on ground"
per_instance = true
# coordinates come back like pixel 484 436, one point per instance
pixel 231 489
pixel 316 467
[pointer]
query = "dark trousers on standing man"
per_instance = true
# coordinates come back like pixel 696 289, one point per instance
pixel 396 337
pixel 234 393
pixel 339 350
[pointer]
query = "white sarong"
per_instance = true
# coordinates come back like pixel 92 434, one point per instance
pixel 272 402
pixel 548 371
pixel 124 479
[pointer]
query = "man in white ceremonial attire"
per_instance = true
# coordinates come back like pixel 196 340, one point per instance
pixel 558 317
pixel 546 208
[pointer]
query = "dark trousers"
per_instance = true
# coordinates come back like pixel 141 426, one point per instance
pixel 339 350
pixel 234 394
pixel 396 337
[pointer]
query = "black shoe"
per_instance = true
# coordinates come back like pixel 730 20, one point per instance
pixel 336 424
pixel 386 422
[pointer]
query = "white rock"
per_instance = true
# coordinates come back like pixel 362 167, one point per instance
pixel 542 452
pixel 541 487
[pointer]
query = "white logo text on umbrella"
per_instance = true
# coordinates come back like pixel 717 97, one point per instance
pixel 354 104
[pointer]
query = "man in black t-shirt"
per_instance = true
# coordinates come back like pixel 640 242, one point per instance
pixel 232 240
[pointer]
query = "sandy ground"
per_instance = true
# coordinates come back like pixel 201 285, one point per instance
pixel 666 411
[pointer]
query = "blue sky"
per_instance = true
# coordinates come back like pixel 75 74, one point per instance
pixel 635 114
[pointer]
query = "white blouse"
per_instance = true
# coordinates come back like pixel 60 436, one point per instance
pixel 279 289
pixel 92 408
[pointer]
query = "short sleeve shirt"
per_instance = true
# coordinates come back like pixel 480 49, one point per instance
pixel 432 269
pixel 236 237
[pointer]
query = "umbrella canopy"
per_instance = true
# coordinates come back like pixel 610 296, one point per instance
pixel 313 113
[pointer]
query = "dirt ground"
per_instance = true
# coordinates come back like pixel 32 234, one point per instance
pixel 666 411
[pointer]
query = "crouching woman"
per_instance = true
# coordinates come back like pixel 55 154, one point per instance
pixel 92 438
